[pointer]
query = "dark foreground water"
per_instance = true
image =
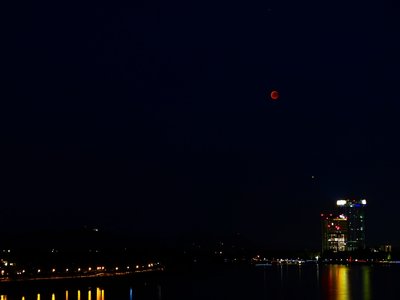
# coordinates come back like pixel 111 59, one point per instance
pixel 276 282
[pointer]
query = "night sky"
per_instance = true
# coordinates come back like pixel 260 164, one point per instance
pixel 154 117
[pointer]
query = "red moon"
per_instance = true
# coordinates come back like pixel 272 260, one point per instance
pixel 274 95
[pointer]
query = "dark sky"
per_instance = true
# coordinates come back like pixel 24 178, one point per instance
pixel 154 116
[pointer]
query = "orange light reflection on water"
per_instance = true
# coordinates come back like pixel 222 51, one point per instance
pixel 99 295
pixel 343 286
pixel 337 283
pixel 340 281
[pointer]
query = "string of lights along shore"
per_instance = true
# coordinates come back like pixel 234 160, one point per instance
pixel 344 230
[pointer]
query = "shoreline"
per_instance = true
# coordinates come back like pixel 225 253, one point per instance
pixel 103 275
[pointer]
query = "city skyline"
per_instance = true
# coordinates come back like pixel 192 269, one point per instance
pixel 157 119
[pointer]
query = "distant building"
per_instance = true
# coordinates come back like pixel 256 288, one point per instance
pixel 385 248
pixel 354 211
pixel 334 233
pixel 344 231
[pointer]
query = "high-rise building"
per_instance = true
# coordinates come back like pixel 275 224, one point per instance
pixel 334 233
pixel 354 211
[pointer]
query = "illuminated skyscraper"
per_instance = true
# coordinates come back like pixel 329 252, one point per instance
pixel 354 211
pixel 334 233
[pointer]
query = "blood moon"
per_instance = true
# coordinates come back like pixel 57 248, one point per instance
pixel 274 95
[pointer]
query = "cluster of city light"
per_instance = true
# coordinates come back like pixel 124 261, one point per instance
pixel 85 271
pixel 258 258
pixel 287 261
pixel 344 202
pixel 259 261
pixel 345 232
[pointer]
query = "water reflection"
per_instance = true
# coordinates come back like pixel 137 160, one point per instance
pixel 336 283
pixel 341 282
pixel 343 286
pixel 328 282
pixel 159 292
pixel 366 282
pixel 98 294
pixel 58 295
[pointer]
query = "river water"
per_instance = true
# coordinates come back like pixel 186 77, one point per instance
pixel 331 282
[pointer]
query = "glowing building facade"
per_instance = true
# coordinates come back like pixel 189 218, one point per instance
pixel 344 231
pixel 334 233
pixel 354 211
